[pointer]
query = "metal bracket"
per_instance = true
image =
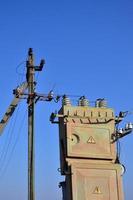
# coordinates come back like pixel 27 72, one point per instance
pixel 117 135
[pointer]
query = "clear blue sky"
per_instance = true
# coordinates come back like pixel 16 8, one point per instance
pixel 88 47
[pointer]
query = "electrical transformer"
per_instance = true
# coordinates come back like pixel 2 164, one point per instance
pixel 87 152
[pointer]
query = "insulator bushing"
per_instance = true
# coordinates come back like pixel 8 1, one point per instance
pixel 120 131
pixel 129 126
pixel 79 102
pixel 101 103
pixel 83 101
pixel 66 101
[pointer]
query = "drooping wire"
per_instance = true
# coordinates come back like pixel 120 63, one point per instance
pixel 37 76
pixel 6 147
pixel 18 66
pixel 7 163
pixel 118 149
pixel 118 146
pixel 21 75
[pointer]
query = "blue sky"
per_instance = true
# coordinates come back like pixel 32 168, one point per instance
pixel 88 48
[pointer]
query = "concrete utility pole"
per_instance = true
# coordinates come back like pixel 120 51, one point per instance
pixel 31 102
pixel 32 98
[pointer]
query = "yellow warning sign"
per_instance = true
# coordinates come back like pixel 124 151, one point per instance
pixel 91 140
pixel 97 190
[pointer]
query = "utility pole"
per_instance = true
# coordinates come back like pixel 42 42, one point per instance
pixel 32 98
pixel 31 102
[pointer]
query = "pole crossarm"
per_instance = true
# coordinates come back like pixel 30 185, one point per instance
pixel 121 133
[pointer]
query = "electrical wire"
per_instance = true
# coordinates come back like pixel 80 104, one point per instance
pixel 18 66
pixel 37 76
pixel 20 75
pixel 6 147
pixel 14 146
pixel 118 149
pixel 11 126
pixel 118 145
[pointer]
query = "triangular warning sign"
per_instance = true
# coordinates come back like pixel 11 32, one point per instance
pixel 97 190
pixel 91 140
